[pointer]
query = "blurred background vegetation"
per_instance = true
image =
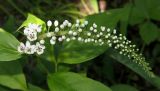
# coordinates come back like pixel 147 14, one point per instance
pixel 137 19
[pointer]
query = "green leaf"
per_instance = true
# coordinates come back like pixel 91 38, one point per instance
pixel 33 19
pixel 4 89
pixel 149 32
pixel 10 24
pixel 67 81
pixel 108 19
pixel 142 7
pixel 153 9
pixel 136 16
pixel 8 46
pixel 11 75
pixel 134 66
pixel 123 87
pixel 126 12
pixel 34 88
pixel 76 52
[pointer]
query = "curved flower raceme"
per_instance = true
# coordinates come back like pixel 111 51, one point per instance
pixel 81 32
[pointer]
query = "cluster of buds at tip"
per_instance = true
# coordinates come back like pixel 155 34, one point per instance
pixel 81 32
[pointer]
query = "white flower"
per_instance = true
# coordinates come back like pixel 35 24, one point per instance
pixel 32 36
pixel 29 49
pixel 82 25
pixel 56 29
pixel 91 28
pixel 56 23
pixel 86 22
pixel 60 39
pixel 62 26
pixel 79 30
pixel 53 42
pixel 35 27
pixel 54 38
pixel 114 31
pixel 39 48
pixel 102 28
pixel 74 33
pixel 70 32
pixel 79 38
pixel 100 33
pixel 95 30
pixel 49 23
pixel 68 39
pixel 77 25
pixel 48 34
pixel 73 38
pixel 94 25
pixel 42 41
pixel 108 29
pixel 77 21
pixel 63 37
pixel 69 24
pixel 21 48
pixel 88 34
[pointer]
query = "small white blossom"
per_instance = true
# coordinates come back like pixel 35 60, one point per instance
pixel 49 23
pixel 77 25
pixel 56 29
pixel 74 33
pixel 88 34
pixel 42 41
pixel 77 21
pixel 91 28
pixel 48 34
pixel 95 30
pixel 79 38
pixel 102 28
pixel 70 32
pixel 39 48
pixel 32 36
pixel 94 25
pixel 56 23
pixel 54 38
pixel 69 24
pixel 114 31
pixel 86 22
pixel 79 30
pixel 60 39
pixel 21 48
pixel 82 25
pixel 108 29
pixel 62 26
pixel 73 38
pixel 68 39
pixel 53 42
pixel 98 35
pixel 63 37
pixel 29 49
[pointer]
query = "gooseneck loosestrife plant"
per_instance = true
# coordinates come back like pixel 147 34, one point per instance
pixel 77 32
pixel 57 43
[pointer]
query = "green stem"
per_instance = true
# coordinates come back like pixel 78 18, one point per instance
pixel 56 66
pixel 142 49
